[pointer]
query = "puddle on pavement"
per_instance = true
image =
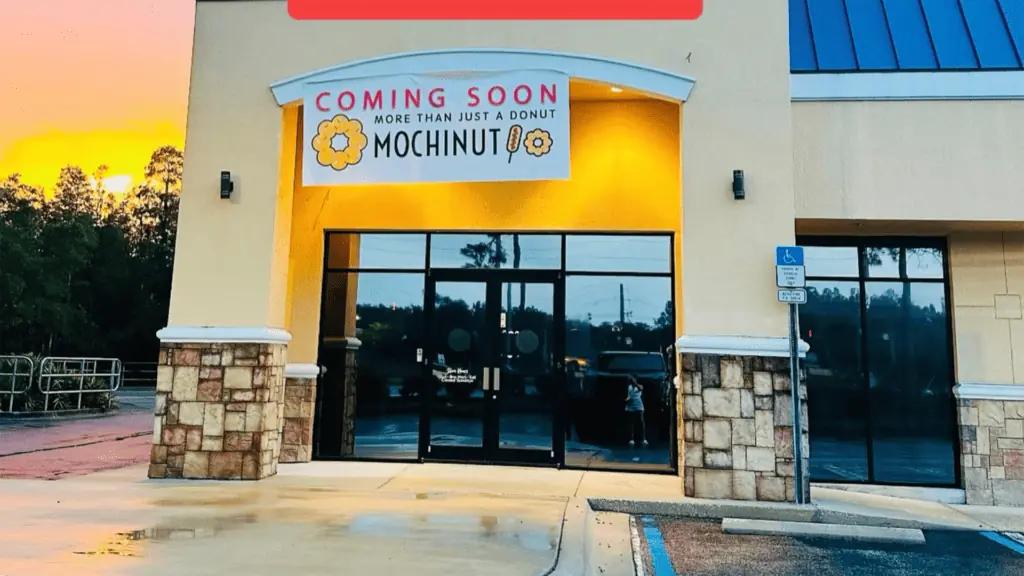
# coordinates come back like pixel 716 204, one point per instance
pixel 131 543
pixel 234 500
pixel 531 537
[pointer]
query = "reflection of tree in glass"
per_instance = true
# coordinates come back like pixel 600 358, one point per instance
pixel 491 254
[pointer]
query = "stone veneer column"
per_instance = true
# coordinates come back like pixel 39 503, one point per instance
pixel 297 413
pixel 218 408
pixel 737 426
pixel 348 431
pixel 991 419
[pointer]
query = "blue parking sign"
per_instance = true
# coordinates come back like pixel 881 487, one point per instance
pixel 789 256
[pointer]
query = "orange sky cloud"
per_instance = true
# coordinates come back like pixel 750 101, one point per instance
pixel 91 81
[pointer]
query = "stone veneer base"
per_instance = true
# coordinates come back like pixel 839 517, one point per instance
pixel 737 428
pixel 297 415
pixel 992 451
pixel 218 411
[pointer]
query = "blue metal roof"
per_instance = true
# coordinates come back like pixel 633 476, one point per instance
pixel 905 35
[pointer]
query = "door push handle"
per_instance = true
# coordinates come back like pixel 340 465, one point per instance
pixel 497 379
pixel 487 379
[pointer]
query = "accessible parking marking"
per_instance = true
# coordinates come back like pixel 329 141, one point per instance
pixel 661 565
pixel 1012 540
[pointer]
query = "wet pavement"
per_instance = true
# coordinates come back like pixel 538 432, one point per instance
pixel 700 547
pixel 318 518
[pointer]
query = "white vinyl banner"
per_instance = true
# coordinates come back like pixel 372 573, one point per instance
pixel 482 127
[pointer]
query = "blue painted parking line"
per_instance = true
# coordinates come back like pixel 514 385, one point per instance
pixel 661 565
pixel 1015 543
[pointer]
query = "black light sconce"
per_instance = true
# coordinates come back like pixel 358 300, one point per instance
pixel 226 185
pixel 738 193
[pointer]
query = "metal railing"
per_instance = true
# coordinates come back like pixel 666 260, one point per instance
pixel 142 374
pixel 15 370
pixel 62 376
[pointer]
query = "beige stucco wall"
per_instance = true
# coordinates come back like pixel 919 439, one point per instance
pixel 937 160
pixel 987 282
pixel 227 271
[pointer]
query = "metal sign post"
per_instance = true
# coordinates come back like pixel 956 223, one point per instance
pixel 790 278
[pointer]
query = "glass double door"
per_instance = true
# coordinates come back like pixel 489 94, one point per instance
pixel 493 357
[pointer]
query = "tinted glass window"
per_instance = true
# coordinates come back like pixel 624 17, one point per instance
pixel 384 312
pixel 882 262
pixel 614 326
pixel 831 262
pixel 925 263
pixel 525 251
pixel 836 397
pixel 368 251
pixel 630 362
pixel 614 253
pixel 909 374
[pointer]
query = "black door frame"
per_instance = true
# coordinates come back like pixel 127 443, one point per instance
pixel 491 452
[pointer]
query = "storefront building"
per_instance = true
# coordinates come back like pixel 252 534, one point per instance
pixel 456 241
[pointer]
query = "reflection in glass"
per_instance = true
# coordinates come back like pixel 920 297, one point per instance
pixel 377 251
pixel 517 251
pixel 458 354
pixel 907 355
pixel 615 253
pixel 831 262
pixel 925 263
pixel 617 327
pixel 882 262
pixel 830 323
pixel 525 347
pixel 383 312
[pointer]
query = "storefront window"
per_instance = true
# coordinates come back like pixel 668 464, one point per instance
pixel 879 370
pixel 377 251
pixel 830 322
pixel 372 327
pixel 614 253
pixel 451 346
pixel 615 327
pixel 515 251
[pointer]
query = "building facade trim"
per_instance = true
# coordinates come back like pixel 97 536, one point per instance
pixel 301 371
pixel 224 334
pixel 737 346
pixel 654 81
pixel 983 391
pixel 996 85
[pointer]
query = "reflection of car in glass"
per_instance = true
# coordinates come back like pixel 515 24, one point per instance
pixel 597 400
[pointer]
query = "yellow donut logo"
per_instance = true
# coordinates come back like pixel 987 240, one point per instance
pixel 351 153
pixel 538 142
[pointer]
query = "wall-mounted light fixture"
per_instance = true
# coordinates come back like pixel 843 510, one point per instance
pixel 738 192
pixel 226 185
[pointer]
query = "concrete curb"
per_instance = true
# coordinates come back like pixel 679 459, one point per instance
pixel 818 530
pixel 774 511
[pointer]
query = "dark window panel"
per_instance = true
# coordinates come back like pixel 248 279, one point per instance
pixel 369 251
pixel 385 312
pixel 907 355
pixel 991 38
pixel 832 40
pixel 949 34
pixel 1013 11
pixel 910 35
pixel 836 397
pixel 871 35
pixel 801 43
pixel 831 262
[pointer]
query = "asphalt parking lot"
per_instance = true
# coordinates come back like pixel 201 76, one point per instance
pixel 700 547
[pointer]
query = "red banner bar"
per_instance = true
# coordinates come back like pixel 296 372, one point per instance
pixel 476 10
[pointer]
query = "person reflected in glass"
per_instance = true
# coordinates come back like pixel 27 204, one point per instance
pixel 635 412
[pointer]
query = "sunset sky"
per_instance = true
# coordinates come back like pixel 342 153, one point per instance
pixel 91 82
